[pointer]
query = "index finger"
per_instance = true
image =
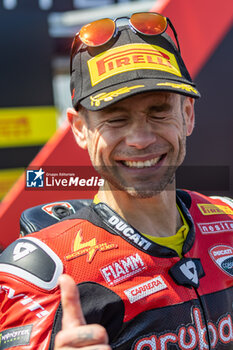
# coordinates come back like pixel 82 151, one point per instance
pixel 71 306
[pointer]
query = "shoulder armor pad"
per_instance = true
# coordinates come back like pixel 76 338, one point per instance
pixel 32 260
pixel 44 215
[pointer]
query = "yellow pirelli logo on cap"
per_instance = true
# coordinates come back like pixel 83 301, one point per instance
pixel 131 57
pixel 214 209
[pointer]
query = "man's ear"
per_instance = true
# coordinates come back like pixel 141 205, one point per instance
pixel 189 114
pixel 78 126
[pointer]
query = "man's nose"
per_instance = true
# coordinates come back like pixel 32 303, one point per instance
pixel 140 135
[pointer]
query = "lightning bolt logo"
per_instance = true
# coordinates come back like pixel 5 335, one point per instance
pixel 89 248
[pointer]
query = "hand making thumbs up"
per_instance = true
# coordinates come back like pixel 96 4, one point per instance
pixel 75 333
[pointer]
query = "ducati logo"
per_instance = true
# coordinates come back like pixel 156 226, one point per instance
pixel 89 248
pixel 222 255
pixel 22 249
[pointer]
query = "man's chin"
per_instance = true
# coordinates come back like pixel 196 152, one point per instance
pixel 143 194
pixel 139 188
pixel 148 193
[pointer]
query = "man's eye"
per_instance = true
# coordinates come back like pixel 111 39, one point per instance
pixel 117 121
pixel 157 117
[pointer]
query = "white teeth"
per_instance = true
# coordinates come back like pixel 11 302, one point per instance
pixel 140 164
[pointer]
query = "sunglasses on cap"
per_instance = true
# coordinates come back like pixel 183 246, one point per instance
pixel 100 32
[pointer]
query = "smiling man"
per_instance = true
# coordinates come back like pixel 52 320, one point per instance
pixel 153 264
pixel 136 145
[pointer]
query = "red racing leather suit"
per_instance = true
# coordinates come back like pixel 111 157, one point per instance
pixel 144 294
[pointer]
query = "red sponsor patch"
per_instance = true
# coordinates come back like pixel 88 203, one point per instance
pixel 122 269
pixel 222 255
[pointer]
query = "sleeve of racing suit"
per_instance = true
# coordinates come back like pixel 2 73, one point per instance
pixel 29 296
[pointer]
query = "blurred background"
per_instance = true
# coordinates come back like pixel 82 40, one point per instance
pixel 36 36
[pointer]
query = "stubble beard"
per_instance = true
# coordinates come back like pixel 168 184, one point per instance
pixel 143 188
pixel 167 181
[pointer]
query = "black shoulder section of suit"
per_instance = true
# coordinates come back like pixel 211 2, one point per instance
pixel 88 213
pixel 32 260
pixel 100 305
pixel 105 217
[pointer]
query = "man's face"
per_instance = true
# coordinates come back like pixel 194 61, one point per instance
pixel 137 143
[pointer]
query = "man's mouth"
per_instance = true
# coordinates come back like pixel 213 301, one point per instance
pixel 143 164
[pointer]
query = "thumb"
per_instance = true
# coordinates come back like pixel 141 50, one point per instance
pixel 71 306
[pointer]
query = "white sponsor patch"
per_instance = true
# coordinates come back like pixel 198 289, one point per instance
pixel 122 269
pixel 144 289
pixel 216 227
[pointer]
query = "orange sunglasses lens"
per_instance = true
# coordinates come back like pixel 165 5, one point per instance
pixel 149 23
pixel 98 32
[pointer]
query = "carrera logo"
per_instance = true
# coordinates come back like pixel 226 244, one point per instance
pixel 214 209
pixel 216 227
pixel 119 271
pixel 147 288
pixel 89 248
pixel 131 57
pixel 222 255
pixel 192 336
pixel 49 208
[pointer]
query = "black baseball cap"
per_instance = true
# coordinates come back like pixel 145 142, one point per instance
pixel 129 64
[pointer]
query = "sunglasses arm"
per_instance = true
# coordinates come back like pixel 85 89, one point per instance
pixel 175 34
pixel 74 48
